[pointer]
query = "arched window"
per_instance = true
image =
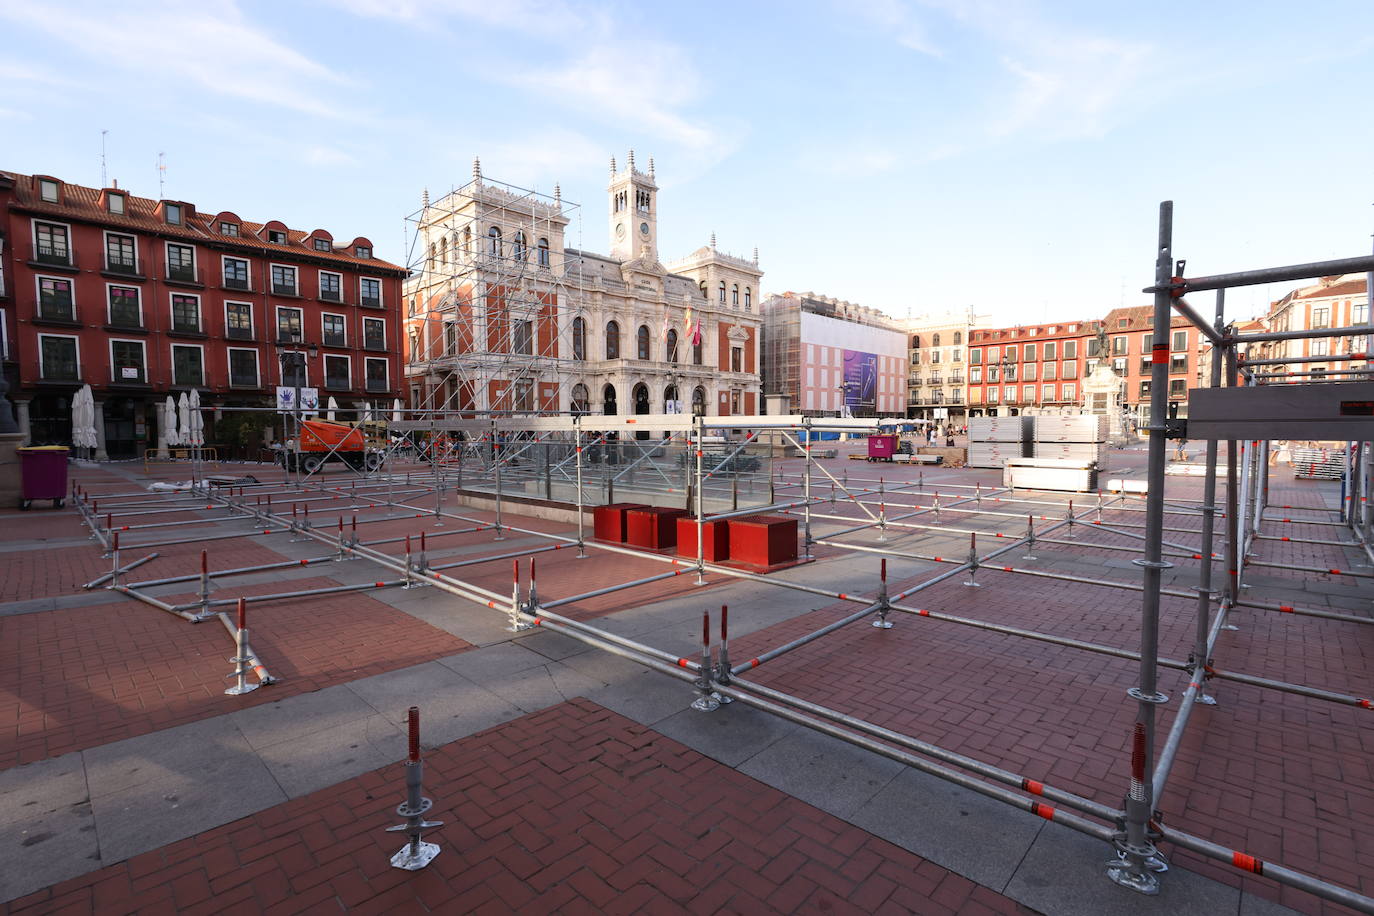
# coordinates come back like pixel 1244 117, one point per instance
pixel 467 240
pixel 672 345
pixel 642 340
pixel 670 399
pixel 958 337
pixel 579 339
pixel 581 400
pixel 543 252
pixel 518 246
pixel 935 340
pixel 702 284
pixel 734 295
pixel 494 242
pixel 443 252
pixel 431 255
pixel 696 350
pixel 915 341
pixel 612 340
pixel 608 400
pixel 748 299
pixel 699 401
pixel 722 292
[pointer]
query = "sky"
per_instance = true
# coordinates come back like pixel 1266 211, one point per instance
pixel 918 156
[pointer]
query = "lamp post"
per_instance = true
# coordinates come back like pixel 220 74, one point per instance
pixel 291 353
pixel 1008 372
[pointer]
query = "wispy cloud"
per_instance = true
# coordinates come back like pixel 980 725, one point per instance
pixel 1059 80
pixel 596 79
pixel 897 19
pixel 193 44
pixel 663 83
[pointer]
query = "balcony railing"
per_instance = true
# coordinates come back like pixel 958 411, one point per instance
pixel 376 384
pixel 238 333
pixel 57 308
pixel 374 343
pixel 243 379
pixel 181 273
pixel 331 295
pixel 236 283
pixel 336 382
pixel 283 289
pixel 52 254
pixel 372 302
pixel 121 265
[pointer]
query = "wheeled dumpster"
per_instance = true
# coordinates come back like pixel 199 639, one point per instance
pixel 882 447
pixel 43 470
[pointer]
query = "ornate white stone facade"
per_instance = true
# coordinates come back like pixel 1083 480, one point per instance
pixel 516 320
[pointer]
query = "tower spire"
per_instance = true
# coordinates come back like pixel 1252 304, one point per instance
pixel 756 254
pixel 651 166
pixel 612 166
pixel 477 168
pixel 713 241
pixel 632 161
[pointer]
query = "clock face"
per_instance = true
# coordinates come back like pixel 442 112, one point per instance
pixel 620 230
pixel 644 228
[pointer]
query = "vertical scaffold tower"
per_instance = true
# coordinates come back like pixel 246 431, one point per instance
pixel 487 284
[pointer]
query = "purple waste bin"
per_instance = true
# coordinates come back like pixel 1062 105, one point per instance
pixel 43 469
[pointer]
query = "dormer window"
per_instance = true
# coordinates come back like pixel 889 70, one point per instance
pixel 362 251
pixel 172 213
pixel 228 228
pixel 115 204
pixel 276 236
pixel 323 245
pixel 47 190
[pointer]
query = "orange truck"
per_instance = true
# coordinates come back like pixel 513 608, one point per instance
pixel 322 441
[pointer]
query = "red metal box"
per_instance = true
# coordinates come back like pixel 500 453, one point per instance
pixel 715 539
pixel 763 540
pixel 609 524
pixel 653 527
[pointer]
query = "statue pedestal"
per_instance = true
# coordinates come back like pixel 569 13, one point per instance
pixel 11 484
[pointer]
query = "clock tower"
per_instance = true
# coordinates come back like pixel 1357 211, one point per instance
pixel 634 212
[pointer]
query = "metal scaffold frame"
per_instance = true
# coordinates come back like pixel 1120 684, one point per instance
pixel 499 454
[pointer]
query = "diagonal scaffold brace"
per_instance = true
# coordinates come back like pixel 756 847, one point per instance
pixel 416 853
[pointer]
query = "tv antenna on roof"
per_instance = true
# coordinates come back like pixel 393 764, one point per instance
pixel 104 180
pixel 161 175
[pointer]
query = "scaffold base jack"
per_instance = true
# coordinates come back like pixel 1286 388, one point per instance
pixel 416 853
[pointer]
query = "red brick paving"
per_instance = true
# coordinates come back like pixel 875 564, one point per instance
pixel 574 809
pixel 81 677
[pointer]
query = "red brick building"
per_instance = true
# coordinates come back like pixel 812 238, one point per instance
pixel 144 298
pixel 1037 367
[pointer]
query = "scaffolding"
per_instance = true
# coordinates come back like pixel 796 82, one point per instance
pixel 488 281
pixel 555 459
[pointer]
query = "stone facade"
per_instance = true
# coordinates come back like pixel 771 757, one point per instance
pixel 517 320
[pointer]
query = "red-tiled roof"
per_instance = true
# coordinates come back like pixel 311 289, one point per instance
pixel 1345 288
pixel 140 214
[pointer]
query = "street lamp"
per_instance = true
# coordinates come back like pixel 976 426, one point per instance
pixel 291 353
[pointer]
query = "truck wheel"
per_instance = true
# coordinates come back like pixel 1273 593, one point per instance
pixel 374 461
pixel 312 463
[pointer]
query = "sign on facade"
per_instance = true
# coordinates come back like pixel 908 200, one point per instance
pixel 286 398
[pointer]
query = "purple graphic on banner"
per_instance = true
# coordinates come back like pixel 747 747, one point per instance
pixel 861 380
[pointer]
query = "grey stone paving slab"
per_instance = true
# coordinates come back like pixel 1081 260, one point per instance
pixel 1064 874
pixel 47 829
pixel 601 668
pixel 647 697
pixel 823 771
pixel 451 706
pixel 41 788
pixel 60 602
pixel 975 836
pixel 538 688
pixel 1250 905
pixel 327 756
pixel 165 786
pixel 298 716
pixel 493 661
pixel 552 645
pixel 731 734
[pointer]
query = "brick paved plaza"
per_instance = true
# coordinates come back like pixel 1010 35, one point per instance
pixel 570 779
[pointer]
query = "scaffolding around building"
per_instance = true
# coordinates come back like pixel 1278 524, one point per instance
pixel 488 283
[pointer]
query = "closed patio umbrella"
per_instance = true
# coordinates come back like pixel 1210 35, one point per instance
pixel 169 420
